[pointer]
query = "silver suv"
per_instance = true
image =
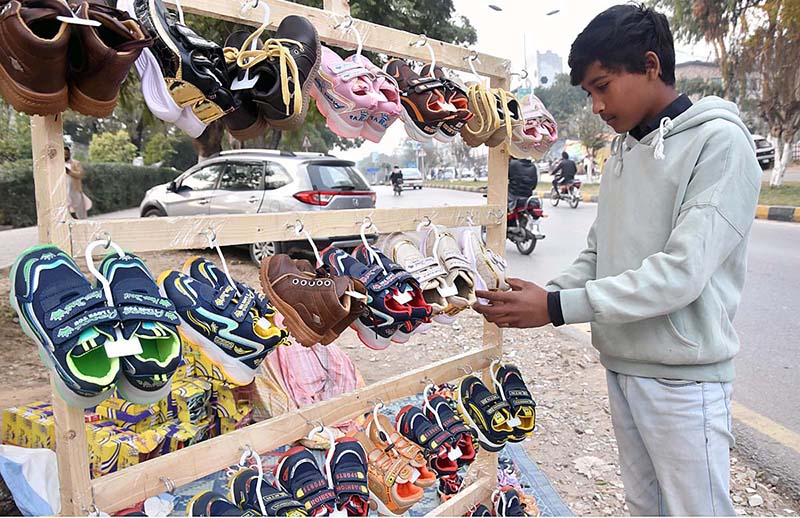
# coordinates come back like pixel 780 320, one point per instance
pixel 250 181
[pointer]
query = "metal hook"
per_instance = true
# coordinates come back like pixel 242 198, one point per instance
pixel 168 483
pixel 419 42
pixel 379 403
pixel 345 24
pixel 467 370
pixel 427 381
pixel 472 56
pixel 298 227
pixel 211 235
pixel 523 74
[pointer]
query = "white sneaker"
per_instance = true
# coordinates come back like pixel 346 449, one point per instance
pixel 489 267
pixel 459 289
pixel 404 250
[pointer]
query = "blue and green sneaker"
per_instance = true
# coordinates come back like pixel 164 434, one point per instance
pixel 228 328
pixel 149 318
pixel 69 321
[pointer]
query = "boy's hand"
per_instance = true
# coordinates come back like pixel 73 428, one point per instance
pixel 524 306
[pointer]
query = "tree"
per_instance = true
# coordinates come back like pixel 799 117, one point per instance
pixel 590 130
pixel 158 149
pixel 720 23
pixel 15 134
pixel 699 86
pixel 777 78
pixel 112 147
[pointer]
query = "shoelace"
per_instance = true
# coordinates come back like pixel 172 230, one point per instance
pixel 481 98
pixel 273 47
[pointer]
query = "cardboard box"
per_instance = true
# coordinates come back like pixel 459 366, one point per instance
pixel 137 418
pixel 113 448
pixel 189 401
pixel 179 435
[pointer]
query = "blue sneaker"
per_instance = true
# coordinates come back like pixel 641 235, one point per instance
pixel 297 473
pixel 69 321
pixel 229 331
pixel 151 319
pixel 376 327
pixel 244 492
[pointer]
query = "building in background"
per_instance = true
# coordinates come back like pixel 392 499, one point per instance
pixel 549 65
pixel 698 70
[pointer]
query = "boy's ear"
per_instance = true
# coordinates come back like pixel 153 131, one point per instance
pixel 652 65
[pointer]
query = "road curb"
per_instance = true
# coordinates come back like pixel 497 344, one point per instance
pixel 771 212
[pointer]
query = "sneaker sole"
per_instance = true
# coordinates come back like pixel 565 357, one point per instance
pixel 412 130
pixel 369 338
pixel 335 122
pixel 71 398
pixel 462 409
pixel 295 120
pixel 32 103
pixel 82 103
pixel 292 321
pixel 381 507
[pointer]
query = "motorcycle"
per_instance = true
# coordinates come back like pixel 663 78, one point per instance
pixel 570 192
pixel 398 187
pixel 522 223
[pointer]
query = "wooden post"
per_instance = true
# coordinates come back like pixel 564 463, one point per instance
pixel 53 217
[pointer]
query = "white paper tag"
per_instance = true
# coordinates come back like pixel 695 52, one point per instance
pixel 402 298
pixel 263 323
pixel 356 295
pixel 122 347
pixel 455 453
pixel 339 513
pixel 414 475
pixel 514 422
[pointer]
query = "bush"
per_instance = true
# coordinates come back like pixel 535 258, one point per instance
pixel 158 149
pixel 112 147
pixel 111 187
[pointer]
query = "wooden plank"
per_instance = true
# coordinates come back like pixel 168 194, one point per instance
pixel 50 186
pixel 50 180
pixel 460 504
pixel 376 37
pixel 150 234
pixel 341 7
pixel 129 486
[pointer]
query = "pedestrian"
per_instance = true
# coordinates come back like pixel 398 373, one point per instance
pixel 77 201
pixel 588 167
pixel 662 274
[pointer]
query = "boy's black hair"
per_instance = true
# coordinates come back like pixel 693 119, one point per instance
pixel 619 37
pixel 564 155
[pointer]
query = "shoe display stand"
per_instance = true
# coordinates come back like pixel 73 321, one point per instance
pixel 79 494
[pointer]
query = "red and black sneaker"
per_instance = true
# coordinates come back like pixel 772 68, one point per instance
pixel 437 443
pixel 297 473
pixel 449 486
pixel 440 411
pixel 455 94
pixel 348 466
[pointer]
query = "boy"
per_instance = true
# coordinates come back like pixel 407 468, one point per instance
pixel 662 274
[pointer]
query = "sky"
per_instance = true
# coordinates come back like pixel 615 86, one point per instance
pixel 502 34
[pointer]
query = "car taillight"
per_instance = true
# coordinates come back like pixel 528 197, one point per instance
pixel 323 198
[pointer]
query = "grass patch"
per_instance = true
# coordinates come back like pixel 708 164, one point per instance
pixel 788 194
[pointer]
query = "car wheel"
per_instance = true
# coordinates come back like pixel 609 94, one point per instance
pixel 153 212
pixel 258 251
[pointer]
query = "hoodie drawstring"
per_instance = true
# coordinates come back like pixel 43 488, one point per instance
pixel 616 151
pixel 664 127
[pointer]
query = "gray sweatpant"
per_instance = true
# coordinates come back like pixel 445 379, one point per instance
pixel 674 439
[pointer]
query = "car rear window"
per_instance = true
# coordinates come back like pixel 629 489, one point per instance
pixel 335 177
pixel 411 174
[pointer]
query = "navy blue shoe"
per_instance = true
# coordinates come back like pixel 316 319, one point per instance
pixel 297 473
pixel 434 440
pixel 507 503
pixel 228 329
pixel 244 493
pixel 150 319
pixel 69 321
pixel 376 327
pixel 349 469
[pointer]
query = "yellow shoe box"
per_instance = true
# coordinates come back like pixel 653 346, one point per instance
pixel 189 401
pixel 137 418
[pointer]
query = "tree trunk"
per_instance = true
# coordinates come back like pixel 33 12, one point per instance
pixel 210 142
pixel 783 155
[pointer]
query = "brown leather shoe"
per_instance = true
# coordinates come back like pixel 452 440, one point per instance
pixel 100 58
pixel 33 55
pixel 314 306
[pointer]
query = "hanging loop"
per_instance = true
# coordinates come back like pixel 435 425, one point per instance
pixel 522 74
pixel 211 235
pixel 169 484
pixel 349 25
pixel 300 230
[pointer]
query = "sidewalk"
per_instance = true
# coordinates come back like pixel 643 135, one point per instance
pixel 17 240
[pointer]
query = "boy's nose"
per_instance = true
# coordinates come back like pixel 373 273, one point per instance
pixel 597 106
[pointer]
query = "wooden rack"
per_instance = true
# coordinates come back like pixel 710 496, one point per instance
pixel 80 494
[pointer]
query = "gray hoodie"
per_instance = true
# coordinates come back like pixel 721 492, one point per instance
pixel 662 274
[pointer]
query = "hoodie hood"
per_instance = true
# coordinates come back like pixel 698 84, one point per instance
pixel 704 110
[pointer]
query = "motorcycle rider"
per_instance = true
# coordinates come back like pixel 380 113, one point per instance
pixel 564 173
pixel 396 176
pixel 522 180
